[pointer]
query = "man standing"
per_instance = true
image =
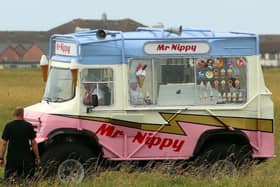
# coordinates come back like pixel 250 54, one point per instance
pixel 19 136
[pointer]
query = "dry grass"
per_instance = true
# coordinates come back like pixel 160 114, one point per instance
pixel 25 87
pixel 18 87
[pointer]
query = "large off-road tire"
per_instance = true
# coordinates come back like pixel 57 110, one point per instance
pixel 225 157
pixel 69 162
pixel 235 152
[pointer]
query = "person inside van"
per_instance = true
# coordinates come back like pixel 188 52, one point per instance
pixel 136 97
pixel 92 89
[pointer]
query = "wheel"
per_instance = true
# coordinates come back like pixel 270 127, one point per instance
pixel 68 162
pixel 71 170
pixel 227 157
pixel 223 168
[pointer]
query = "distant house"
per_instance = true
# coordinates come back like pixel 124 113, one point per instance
pixel 14 45
pixel 20 50
pixel 9 55
pixel 28 46
pixel 33 54
pixel 270 50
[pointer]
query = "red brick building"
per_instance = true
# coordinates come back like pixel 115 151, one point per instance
pixel 20 50
pixel 9 54
pixel 33 54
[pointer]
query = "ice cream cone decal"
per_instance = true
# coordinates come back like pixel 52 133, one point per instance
pixel 219 63
pixel 223 85
pixel 239 62
pixel 141 74
pixel 216 84
pixel 44 64
pixel 141 79
pixel 237 83
pixel 74 72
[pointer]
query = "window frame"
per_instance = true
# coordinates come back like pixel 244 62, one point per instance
pixel 53 68
pixel 108 82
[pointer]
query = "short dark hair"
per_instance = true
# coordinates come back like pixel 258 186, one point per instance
pixel 18 112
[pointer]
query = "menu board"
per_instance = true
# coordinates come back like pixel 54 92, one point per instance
pixel 221 80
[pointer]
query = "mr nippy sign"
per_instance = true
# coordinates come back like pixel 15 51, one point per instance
pixel 66 49
pixel 176 48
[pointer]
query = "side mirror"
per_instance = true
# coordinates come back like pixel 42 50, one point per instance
pixel 94 103
pixel 94 100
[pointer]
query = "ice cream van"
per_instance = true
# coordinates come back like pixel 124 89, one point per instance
pixel 152 94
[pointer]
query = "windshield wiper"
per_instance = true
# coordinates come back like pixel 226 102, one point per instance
pixel 47 99
pixel 57 99
pixel 50 99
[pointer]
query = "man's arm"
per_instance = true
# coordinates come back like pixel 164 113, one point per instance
pixel 36 151
pixel 3 151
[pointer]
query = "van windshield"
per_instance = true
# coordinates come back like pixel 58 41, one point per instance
pixel 59 86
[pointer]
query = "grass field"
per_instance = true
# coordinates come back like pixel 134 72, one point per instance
pixel 24 87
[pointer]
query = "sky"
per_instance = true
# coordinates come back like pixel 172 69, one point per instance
pixel 256 16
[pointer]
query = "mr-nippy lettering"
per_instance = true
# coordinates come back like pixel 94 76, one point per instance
pixel 109 130
pixel 147 138
pixel 160 142
pixel 177 47
pixel 64 48
pixel 186 48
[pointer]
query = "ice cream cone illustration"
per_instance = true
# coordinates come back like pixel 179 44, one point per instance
pixel 141 74
pixel 239 62
pixel 230 84
pixel 216 84
pixel 201 64
pixel 223 85
pixel 237 83
pixel 219 63
pixel 223 72
pixel 140 80
pixel 216 73
pixel 229 72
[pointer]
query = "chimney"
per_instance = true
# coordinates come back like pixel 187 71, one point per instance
pixel 104 17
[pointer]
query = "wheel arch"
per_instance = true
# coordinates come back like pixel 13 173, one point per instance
pixel 71 135
pixel 220 136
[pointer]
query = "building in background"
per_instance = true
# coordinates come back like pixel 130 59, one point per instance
pixel 270 50
pixel 26 47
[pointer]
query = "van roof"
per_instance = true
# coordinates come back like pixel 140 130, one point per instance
pixel 146 33
pixel 107 47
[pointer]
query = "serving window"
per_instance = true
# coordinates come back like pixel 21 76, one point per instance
pixel 187 81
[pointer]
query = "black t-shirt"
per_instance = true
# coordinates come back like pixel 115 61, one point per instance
pixel 18 133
